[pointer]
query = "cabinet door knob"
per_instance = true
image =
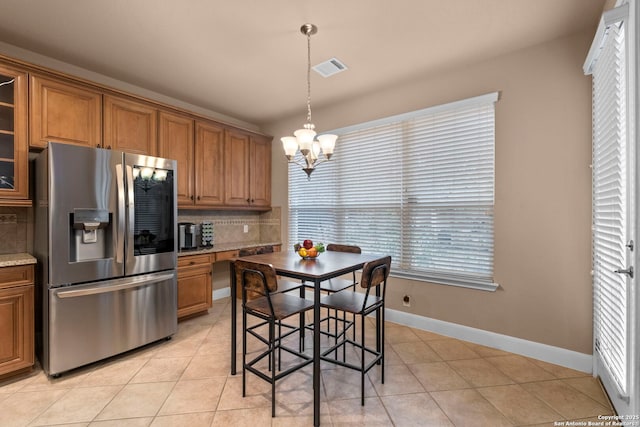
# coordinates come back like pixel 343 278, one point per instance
pixel 248 200
pixel 97 145
pixel 198 197
pixel 108 147
pixel 191 197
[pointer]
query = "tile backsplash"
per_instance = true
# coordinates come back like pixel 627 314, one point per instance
pixel 229 226
pixel 16 228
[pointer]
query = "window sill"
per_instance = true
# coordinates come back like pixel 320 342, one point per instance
pixel 480 286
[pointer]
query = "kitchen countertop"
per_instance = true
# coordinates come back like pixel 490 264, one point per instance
pixel 10 260
pixel 221 247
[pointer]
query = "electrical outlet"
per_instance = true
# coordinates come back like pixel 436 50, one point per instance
pixel 406 301
pixel 246 228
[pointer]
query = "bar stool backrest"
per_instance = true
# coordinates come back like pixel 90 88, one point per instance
pixel 256 251
pixel 344 248
pixel 256 277
pixel 375 272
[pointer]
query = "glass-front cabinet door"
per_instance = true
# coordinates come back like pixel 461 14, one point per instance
pixel 14 161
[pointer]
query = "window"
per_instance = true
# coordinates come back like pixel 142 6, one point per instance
pixel 418 186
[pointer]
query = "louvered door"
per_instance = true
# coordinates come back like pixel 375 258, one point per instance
pixel 614 213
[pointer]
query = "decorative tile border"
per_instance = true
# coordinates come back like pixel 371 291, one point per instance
pixel 8 218
pixel 229 226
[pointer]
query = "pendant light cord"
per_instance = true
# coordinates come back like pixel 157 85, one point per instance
pixel 309 78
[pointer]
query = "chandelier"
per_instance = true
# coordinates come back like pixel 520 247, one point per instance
pixel 305 139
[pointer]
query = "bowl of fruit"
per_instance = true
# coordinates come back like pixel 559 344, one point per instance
pixel 307 250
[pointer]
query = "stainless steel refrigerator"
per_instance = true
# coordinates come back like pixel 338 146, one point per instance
pixel 105 240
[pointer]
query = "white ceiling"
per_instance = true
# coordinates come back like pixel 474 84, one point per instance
pixel 247 58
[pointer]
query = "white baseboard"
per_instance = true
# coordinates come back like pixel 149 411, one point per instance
pixel 547 353
pixel 221 293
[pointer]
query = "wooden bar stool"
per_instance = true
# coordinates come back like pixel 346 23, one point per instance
pixel 374 276
pixel 271 307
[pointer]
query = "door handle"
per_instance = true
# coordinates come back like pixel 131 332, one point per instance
pixel 120 224
pixel 116 285
pixel 628 271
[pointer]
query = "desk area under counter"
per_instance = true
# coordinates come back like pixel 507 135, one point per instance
pixel 205 271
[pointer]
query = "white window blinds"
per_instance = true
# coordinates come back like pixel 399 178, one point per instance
pixel 610 204
pixel 419 187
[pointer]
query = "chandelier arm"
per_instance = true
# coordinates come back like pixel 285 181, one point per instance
pixel 320 161
pixel 302 165
pixel 311 162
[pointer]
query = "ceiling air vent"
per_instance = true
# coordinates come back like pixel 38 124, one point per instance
pixel 329 67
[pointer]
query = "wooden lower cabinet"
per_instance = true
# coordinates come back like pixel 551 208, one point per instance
pixel 194 284
pixel 16 319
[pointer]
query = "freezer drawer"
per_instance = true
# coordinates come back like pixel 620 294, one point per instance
pixel 88 323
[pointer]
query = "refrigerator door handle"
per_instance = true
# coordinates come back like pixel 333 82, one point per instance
pixel 131 210
pixel 116 285
pixel 120 225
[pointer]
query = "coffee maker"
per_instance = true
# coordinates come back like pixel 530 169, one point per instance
pixel 187 232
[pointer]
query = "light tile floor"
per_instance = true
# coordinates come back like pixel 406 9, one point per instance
pixel 430 380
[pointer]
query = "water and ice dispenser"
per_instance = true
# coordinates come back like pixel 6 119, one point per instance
pixel 91 234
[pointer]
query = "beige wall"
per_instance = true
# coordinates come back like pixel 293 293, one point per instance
pixel 543 190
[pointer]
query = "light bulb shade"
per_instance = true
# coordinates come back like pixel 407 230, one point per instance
pixel 290 145
pixel 328 143
pixel 305 139
pixel 146 173
pixel 160 175
pixel 315 151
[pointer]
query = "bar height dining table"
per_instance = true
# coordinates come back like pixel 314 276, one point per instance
pixel 289 264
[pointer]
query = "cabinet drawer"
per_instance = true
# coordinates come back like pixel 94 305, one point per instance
pixel 195 271
pixel 16 276
pixel 188 261
pixel 224 255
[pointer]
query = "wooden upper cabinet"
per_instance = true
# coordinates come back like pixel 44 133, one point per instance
pixel 247 170
pixel 236 156
pixel 130 126
pixel 175 141
pixel 14 150
pixel 209 164
pixel 260 171
pixel 64 112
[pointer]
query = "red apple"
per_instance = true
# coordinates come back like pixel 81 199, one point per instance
pixel 307 244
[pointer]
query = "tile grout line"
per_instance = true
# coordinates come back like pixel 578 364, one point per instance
pixel 190 329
